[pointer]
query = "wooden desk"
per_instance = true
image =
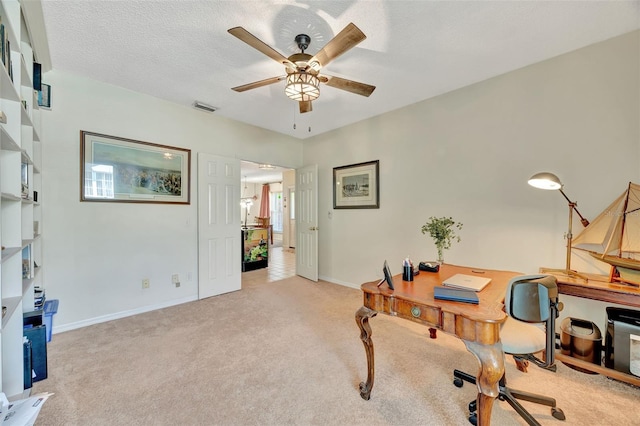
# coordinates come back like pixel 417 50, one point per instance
pixel 477 325
pixel 599 288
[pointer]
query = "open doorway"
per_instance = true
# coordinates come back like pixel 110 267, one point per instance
pixel 260 183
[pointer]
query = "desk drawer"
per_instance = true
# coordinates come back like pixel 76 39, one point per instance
pixel 419 313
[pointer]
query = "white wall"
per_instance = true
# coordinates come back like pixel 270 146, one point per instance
pixel 96 254
pixel 466 154
pixel 469 153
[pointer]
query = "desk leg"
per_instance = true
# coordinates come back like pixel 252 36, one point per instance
pixel 362 319
pixel 491 358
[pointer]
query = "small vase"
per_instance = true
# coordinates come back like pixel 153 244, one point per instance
pixel 440 256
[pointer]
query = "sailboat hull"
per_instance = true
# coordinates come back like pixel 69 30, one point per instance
pixel 628 269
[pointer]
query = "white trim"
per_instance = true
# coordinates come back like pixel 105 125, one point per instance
pixel 343 283
pixel 34 18
pixel 118 315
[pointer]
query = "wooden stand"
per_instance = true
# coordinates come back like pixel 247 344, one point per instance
pixel 598 288
pixel 614 276
pixel 595 368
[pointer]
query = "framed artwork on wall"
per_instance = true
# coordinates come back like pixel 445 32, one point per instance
pixel 357 186
pixel 114 169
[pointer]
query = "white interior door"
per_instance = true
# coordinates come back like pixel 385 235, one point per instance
pixel 307 222
pixel 219 250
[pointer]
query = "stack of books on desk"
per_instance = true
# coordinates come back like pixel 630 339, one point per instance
pixel 455 294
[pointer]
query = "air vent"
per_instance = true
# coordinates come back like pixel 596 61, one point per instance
pixel 204 107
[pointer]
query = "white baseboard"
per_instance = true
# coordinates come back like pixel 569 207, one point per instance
pixel 124 314
pixel 344 283
pixel 97 320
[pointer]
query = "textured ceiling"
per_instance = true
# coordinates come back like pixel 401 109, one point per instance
pixel 180 50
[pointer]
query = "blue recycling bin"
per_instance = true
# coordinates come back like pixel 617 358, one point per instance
pixel 50 309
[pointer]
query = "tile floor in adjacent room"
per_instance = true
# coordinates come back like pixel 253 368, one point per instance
pixel 282 264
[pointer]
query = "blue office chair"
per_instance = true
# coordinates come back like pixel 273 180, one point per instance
pixel 530 299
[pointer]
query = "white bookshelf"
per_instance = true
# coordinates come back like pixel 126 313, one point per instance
pixel 20 157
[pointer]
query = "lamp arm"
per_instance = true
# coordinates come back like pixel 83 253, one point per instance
pixel 573 205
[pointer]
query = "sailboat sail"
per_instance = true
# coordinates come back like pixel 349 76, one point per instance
pixel 614 236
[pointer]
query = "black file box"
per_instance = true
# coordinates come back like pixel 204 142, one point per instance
pixel 28 365
pixel 38 337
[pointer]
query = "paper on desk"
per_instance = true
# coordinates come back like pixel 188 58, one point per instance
pixel 22 412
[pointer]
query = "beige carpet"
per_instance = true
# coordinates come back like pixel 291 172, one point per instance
pixel 289 353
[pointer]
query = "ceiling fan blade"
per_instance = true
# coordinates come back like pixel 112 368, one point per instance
pixel 258 44
pixel 349 37
pixel 260 83
pixel 348 85
pixel 305 106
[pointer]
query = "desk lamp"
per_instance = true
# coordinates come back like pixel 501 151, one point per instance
pixel 549 181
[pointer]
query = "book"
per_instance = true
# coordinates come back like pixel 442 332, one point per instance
pixel 455 295
pixel 2 41
pixel 37 76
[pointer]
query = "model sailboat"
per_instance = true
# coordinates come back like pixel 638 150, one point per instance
pixel 614 237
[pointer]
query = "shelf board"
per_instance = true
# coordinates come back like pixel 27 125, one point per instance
pixel 7 89
pixel 6 141
pixel 27 242
pixel 9 252
pixel 26 283
pixel 26 120
pixel 11 303
pixel 25 80
pixel 25 157
pixel 614 374
pixel 10 197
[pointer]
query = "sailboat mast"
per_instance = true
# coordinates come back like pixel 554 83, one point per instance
pixel 624 219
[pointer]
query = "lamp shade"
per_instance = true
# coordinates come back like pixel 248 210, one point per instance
pixel 545 180
pixel 302 86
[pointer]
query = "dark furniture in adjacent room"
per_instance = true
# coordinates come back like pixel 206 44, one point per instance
pixel 255 248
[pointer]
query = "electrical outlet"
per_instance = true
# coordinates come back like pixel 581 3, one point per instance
pixel 175 279
pixel 146 283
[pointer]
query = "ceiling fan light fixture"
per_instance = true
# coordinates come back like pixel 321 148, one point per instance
pixel 302 86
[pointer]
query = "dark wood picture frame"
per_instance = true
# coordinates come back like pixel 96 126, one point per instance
pixel 115 169
pixel 357 186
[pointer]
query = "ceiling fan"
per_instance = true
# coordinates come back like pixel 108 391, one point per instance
pixel 303 76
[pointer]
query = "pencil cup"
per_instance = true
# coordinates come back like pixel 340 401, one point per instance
pixel 407 273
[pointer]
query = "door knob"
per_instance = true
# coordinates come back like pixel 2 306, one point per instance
pixel 313 228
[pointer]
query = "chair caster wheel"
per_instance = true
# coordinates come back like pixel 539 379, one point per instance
pixel 557 413
pixel 458 382
pixel 473 419
pixel 472 406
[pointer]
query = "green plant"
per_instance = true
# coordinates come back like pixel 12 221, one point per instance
pixel 443 232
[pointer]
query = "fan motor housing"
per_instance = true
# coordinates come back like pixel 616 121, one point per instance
pixel 303 40
pixel 301 60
